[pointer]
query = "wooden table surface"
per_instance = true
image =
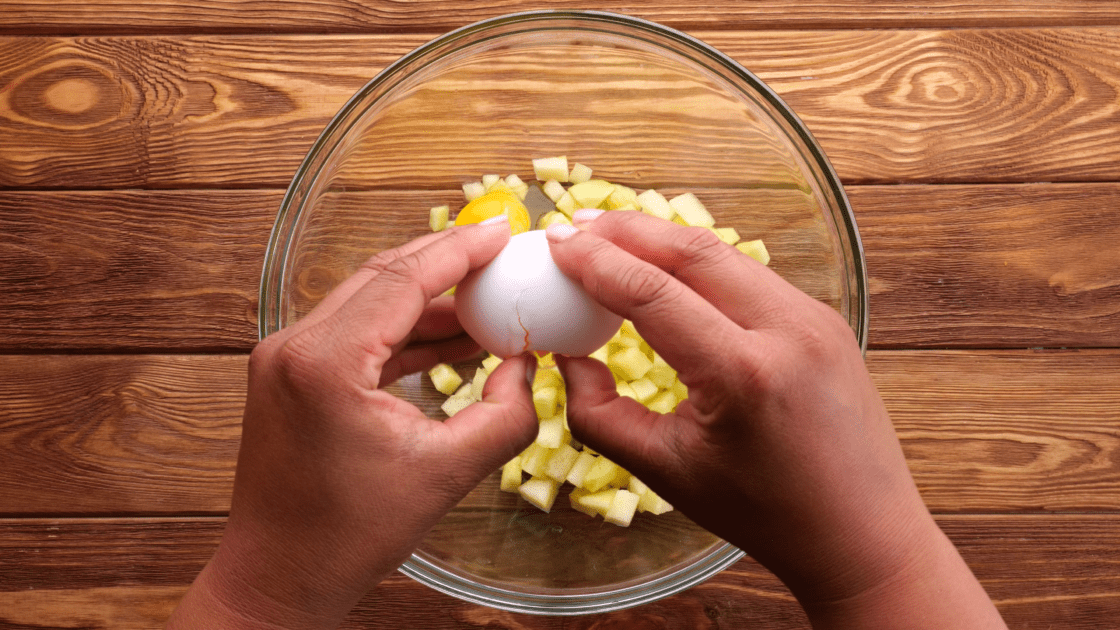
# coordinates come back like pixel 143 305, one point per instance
pixel 144 149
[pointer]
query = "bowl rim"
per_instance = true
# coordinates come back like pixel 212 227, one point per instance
pixel 716 558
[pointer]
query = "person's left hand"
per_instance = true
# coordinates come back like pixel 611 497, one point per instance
pixel 337 481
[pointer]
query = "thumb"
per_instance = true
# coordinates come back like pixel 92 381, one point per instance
pixel 621 428
pixel 490 432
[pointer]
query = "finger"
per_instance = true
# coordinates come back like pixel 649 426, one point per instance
pixel 366 272
pixel 423 357
pixel 684 328
pixel 490 432
pixel 383 311
pixel 743 289
pixel 621 428
pixel 438 321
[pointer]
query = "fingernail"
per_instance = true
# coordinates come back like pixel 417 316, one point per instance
pixel 501 218
pixel 560 231
pixel 586 215
pixel 530 368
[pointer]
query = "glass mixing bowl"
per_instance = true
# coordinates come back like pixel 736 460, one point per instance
pixel 641 104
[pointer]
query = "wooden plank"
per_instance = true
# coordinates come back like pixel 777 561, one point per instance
pixel 992 266
pixel 129 573
pixel 102 271
pixel 120 434
pixel 949 266
pixel 1008 431
pixel 19 17
pixel 887 106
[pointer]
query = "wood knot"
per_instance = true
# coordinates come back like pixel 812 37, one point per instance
pixel 63 92
pixel 72 96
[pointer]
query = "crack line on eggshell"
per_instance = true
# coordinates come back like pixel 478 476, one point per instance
pixel 517 311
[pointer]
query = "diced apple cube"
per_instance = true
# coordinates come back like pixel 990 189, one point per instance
pixel 514 182
pixel 489 180
pixel 598 502
pixel 548 377
pixel 455 404
pixel 553 189
pixel 498 185
pixel 655 203
pixel 574 496
pixel 550 432
pixel 644 390
pixel 728 235
pixel 491 363
pixel 690 209
pixel 464 391
pixel 473 190
pixel 630 363
pixel 567 204
pixel 579 468
pixel 600 474
pixel 591 193
pixel 622 508
pixel 580 173
pixel 679 389
pixel 478 383
pixel 552 217
pixel 650 502
pixel 437 218
pixel 540 491
pixel 600 355
pixel 445 378
pixel 561 462
pixel 664 402
pixel 511 475
pixel 627 329
pixel 756 249
pixel 637 486
pixel 661 373
pixel 551 168
pixel 544 400
pixel 621 197
pixel 534 460
pixel 623 388
pixel 621 478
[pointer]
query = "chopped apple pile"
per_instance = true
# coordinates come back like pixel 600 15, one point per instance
pixel 599 486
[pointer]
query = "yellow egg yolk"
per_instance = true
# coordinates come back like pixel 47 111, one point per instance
pixel 492 204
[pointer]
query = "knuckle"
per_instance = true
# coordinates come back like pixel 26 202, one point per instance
pixel 406 269
pixel 378 262
pixel 695 244
pixel 649 287
pixel 299 362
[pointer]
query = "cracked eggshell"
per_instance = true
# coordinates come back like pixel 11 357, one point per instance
pixel 521 301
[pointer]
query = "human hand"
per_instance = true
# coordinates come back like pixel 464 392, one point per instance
pixel 337 481
pixel 783 446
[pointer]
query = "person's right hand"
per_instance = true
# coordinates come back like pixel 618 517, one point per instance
pixel 783 447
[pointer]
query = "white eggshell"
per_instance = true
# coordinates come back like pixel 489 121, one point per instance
pixel 521 301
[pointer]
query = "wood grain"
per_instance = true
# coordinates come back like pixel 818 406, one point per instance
pixel 119 434
pixel 991 105
pixel 129 573
pixel 949 266
pixel 19 17
pixel 101 271
pixel 992 266
pixel 1010 431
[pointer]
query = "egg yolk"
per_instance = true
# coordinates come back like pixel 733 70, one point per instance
pixel 491 205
